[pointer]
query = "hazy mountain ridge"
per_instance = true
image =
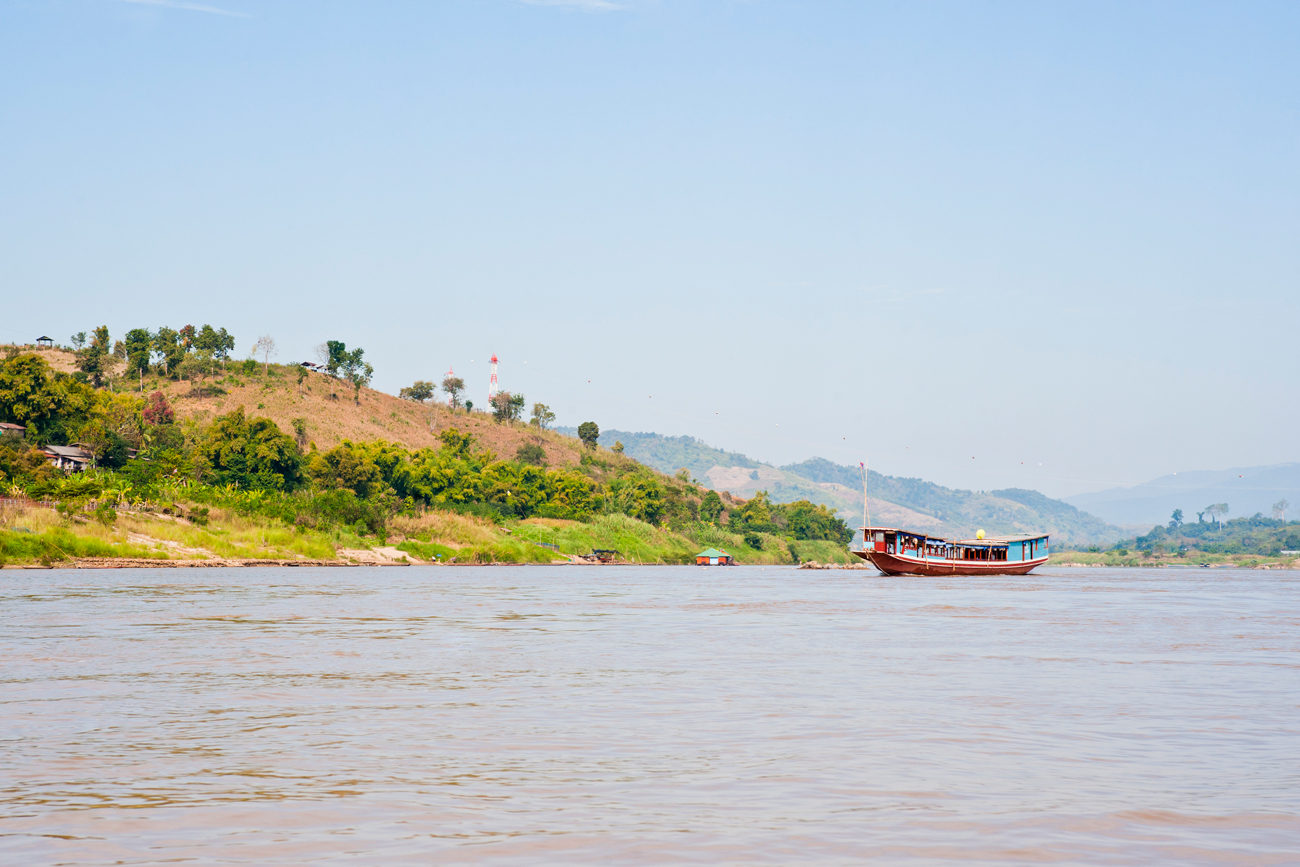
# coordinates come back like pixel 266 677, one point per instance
pixel 1246 490
pixel 908 501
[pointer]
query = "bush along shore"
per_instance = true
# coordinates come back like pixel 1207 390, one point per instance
pixel 237 489
pixel 1256 542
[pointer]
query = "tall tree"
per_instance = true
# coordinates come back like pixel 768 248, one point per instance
pixel 357 372
pixel 501 406
pixel 167 346
pixel 1216 511
pixel 79 340
pixel 1176 519
pixel 336 356
pixel 453 385
pixel 542 416
pixel 589 433
pixel 265 347
pixel 1279 509
pixel 95 358
pixel 711 507
pixel 139 343
pixel 222 345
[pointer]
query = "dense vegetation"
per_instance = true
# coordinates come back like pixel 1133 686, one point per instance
pixel 245 465
pixel 1256 535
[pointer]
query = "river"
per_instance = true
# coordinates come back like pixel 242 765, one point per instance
pixel 648 715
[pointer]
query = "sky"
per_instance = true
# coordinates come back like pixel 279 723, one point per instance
pixel 1040 245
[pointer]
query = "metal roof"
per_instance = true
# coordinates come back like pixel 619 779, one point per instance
pixel 69 452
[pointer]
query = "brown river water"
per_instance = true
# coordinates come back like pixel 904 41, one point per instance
pixel 648 715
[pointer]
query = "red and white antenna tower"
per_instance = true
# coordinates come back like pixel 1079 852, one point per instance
pixel 492 383
pixel 451 372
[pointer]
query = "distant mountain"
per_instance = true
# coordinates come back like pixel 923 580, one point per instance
pixel 900 501
pixel 1246 490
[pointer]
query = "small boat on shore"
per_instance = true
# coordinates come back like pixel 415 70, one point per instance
pixel 901 552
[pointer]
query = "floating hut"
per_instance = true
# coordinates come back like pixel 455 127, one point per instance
pixel 714 557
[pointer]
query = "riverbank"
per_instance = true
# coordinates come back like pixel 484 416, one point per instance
pixel 34 536
pixel 1191 560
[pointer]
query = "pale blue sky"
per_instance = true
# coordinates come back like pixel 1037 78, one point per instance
pixel 950 238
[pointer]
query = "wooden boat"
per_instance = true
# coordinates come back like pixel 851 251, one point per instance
pixel 902 552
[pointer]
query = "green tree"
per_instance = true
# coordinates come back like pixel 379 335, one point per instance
pixel 223 346
pixel 589 433
pixel 711 507
pixel 419 392
pixel 169 349
pixel 206 340
pixel 531 453
pixel 187 336
pixel 79 340
pixel 52 405
pixel 251 453
pixel 453 385
pixel 618 447
pixel 1279 509
pixel 469 406
pixel 95 358
pixel 357 372
pixel 1176 519
pixel 542 416
pixel 336 356
pixel 350 466
pixel 507 407
pixel 206 344
pixel 139 344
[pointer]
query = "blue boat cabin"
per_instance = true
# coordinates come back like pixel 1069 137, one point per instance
pixel 1010 549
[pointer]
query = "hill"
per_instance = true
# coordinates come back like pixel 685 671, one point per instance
pixel 902 501
pixel 251 463
pixel 1246 490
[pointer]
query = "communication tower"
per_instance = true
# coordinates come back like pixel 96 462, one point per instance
pixel 451 373
pixel 492 383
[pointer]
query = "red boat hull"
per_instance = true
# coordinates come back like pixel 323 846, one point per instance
pixel 892 564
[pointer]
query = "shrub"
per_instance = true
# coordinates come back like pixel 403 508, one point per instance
pixel 106 514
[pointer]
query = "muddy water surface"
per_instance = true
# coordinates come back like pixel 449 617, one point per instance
pixel 655 715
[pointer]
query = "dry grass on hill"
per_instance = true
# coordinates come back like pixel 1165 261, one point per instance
pixel 330 420
pixel 332 416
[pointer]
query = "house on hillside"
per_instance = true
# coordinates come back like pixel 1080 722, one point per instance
pixel 70 459
pixel 8 429
pixel 714 557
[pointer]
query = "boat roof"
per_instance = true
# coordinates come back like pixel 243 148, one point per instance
pixel 712 552
pixel 987 540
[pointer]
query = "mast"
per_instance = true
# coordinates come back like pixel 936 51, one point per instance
pixel 866 509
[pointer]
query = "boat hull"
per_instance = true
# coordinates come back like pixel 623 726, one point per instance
pixel 892 564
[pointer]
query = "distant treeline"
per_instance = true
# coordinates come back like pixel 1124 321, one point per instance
pixel 1254 535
